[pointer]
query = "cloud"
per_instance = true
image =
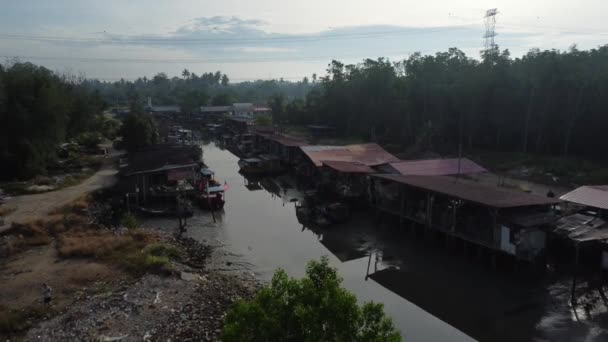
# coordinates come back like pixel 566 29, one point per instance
pixel 234 44
pixel 219 24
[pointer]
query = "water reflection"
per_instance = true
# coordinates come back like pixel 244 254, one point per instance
pixel 426 288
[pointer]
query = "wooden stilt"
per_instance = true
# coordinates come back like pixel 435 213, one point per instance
pixel 573 290
pixel 369 261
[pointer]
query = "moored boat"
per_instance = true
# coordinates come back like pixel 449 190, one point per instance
pixel 211 192
pixel 265 164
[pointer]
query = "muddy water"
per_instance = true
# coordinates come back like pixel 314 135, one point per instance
pixel 432 294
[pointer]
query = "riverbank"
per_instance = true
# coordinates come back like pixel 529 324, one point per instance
pixel 112 284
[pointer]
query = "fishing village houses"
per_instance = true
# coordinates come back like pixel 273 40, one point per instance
pixel 449 199
pixel 437 197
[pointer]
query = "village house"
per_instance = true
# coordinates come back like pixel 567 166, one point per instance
pixel 238 125
pixel 214 113
pixel 163 110
pixel 584 228
pixel 346 180
pixel 311 157
pixel 160 172
pixel 433 167
pixel 502 220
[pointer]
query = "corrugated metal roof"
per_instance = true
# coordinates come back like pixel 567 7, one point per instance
pixel 164 109
pixel 215 109
pixel 160 157
pixel 437 167
pixel 471 191
pixel 368 154
pixel 579 228
pixel 595 196
pixel 348 167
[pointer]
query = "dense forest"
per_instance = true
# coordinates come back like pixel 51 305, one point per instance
pixel 191 90
pixel 38 111
pixel 546 102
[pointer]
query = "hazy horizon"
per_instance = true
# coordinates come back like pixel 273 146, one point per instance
pixel 269 40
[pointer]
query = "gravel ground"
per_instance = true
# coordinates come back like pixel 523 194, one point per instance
pixel 187 305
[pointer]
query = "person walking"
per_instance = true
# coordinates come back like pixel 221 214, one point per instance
pixel 47 294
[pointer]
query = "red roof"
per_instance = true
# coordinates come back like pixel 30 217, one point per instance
pixel 595 196
pixel 471 191
pixel 437 167
pixel 367 154
pixel 348 167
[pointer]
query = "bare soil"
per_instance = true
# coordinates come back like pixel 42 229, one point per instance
pixel 29 208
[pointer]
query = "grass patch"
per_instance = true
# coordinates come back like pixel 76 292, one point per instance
pixel 26 235
pixel 16 321
pixel 95 244
pixel 136 252
pixel 162 249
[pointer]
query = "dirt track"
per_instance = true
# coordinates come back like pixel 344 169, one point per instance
pixel 37 206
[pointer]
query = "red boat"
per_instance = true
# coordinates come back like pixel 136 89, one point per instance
pixel 211 192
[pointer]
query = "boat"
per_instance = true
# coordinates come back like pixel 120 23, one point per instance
pixel 213 199
pixel 185 211
pixel 265 164
pixel 211 192
pixel 311 212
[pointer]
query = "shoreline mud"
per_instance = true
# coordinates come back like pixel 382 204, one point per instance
pixel 185 299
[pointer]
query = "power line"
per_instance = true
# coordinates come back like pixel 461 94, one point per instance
pixel 227 41
pixel 246 79
pixel 205 60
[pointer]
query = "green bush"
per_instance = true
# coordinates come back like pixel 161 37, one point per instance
pixel 89 139
pixel 163 250
pixel 153 261
pixel 314 308
pixel 130 221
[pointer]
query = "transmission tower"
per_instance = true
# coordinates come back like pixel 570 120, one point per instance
pixel 490 21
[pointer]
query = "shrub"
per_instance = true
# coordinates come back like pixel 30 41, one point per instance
pixel 153 261
pixel 14 321
pixel 165 250
pixel 130 221
pixel 314 308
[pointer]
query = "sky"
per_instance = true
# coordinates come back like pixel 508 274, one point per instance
pixel 272 39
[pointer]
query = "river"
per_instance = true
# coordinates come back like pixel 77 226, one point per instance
pixel 421 284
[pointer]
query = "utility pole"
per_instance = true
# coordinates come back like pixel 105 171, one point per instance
pixel 490 22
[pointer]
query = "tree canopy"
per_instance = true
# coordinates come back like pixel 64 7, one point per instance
pixel 547 102
pixel 165 90
pixel 138 130
pixel 38 111
pixel 314 308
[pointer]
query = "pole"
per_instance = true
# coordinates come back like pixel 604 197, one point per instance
pixel 369 261
pixel 572 292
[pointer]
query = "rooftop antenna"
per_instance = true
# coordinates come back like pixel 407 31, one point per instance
pixel 490 22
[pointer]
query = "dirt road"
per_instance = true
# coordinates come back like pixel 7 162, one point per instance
pixel 33 207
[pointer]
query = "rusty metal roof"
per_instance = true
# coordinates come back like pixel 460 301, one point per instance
pixel 595 196
pixel 348 167
pixel 471 191
pixel 437 167
pixel 370 154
